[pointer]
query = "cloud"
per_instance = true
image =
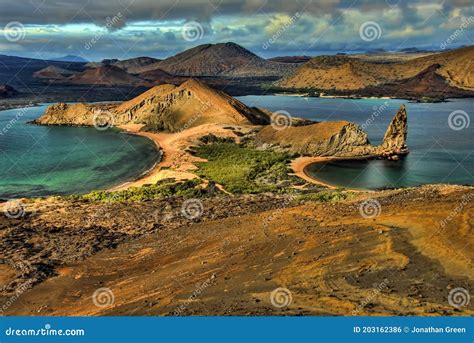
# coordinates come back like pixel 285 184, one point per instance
pixel 154 27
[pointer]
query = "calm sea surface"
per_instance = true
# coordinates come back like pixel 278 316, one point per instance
pixel 442 149
pixel 39 160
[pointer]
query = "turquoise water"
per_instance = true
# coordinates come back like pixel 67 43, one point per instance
pixel 39 160
pixel 438 153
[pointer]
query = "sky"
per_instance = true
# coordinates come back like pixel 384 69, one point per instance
pixel 160 28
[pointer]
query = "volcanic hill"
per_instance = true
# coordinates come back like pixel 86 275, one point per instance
pixel 348 74
pixel 163 108
pixel 223 59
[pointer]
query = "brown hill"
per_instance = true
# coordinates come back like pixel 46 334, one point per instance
pixel 133 65
pixel 346 73
pixel 428 82
pixel 163 108
pixel 159 76
pixel 193 103
pixel 54 73
pixel 105 75
pixel 223 59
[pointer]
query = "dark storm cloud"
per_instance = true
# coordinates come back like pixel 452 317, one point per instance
pixel 73 11
pixel 153 27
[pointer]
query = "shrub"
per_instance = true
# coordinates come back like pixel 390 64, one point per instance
pixel 243 169
pixel 162 189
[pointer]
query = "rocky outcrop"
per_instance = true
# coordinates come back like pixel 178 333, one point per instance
pixel 394 141
pixel 317 139
pixel 340 139
pixel 74 114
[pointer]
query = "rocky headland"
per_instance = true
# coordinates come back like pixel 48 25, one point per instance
pixel 340 139
pixel 170 108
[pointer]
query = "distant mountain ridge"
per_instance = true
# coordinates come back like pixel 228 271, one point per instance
pixel 133 65
pixel 346 73
pixel 231 67
pixel 207 60
pixel 70 58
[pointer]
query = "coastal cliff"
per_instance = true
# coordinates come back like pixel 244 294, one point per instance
pixel 339 139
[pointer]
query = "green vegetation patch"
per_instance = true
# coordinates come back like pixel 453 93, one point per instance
pixel 243 169
pixel 162 189
pixel 325 196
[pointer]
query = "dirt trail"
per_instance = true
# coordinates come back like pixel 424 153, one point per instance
pixel 333 261
pixel 176 162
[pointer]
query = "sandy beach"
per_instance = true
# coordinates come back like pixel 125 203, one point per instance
pixel 178 164
pixel 175 161
pixel 170 154
pixel 299 165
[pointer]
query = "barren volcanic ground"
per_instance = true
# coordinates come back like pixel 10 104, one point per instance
pixel 333 261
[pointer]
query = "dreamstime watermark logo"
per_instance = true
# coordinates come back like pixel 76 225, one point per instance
pixel 14 31
pixel 200 288
pixel 19 291
pixel 287 202
pixel 281 30
pixel 203 109
pixel 393 3
pixel 281 297
pixel 378 110
pixel 281 120
pixel 16 118
pixel 192 31
pixel 370 208
pixel 457 210
pixel 376 290
pixel 458 120
pixel 13 209
pixel 459 297
pixel 192 209
pixel 457 33
pixel 165 213
pixel 103 120
pixel 100 214
pixel 103 297
pixel 110 23
pixel 370 31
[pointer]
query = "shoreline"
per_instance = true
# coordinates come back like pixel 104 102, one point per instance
pixel 299 165
pixel 156 172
